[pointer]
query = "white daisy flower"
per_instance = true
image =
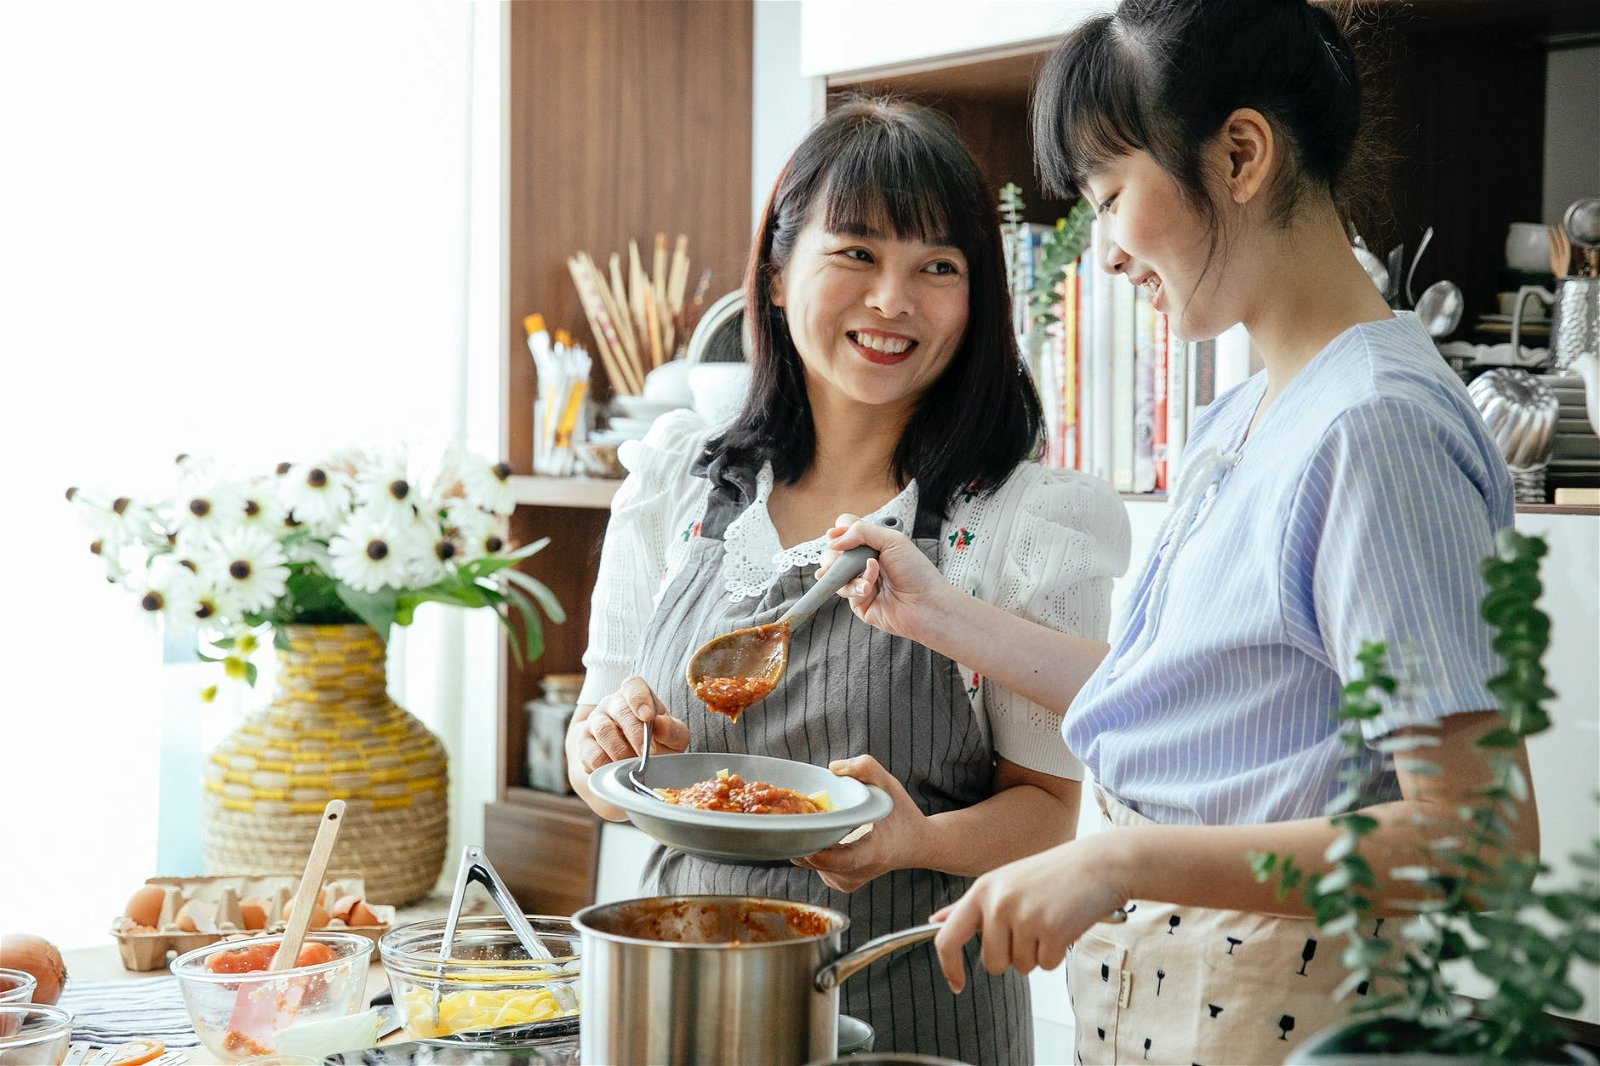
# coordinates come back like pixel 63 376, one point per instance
pixel 206 514
pixel 251 569
pixel 475 531
pixel 388 492
pixel 369 555
pixel 442 556
pixel 315 495
pixel 487 485
pixel 165 588
pixel 117 523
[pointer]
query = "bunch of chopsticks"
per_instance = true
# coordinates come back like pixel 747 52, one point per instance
pixel 638 322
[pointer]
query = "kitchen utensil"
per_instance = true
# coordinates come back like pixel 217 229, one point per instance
pixel 491 992
pixel 751 661
pixel 636 773
pixel 733 837
pixel 1373 266
pixel 475 866
pixel 1427 236
pixel 1560 251
pixel 1582 223
pixel 1393 265
pixel 256 1016
pixel 331 989
pixel 31 1033
pixel 1439 308
pixel 1520 412
pixel 661 977
pixel 1574 318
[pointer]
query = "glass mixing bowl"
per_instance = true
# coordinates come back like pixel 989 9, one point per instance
pixel 16 986
pixel 489 993
pixel 32 1034
pixel 238 1015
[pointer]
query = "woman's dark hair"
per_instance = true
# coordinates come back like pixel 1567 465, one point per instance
pixel 1163 75
pixel 892 167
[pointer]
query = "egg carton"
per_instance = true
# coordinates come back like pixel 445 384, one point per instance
pixel 213 910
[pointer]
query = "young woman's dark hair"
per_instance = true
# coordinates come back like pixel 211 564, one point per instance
pixel 1163 75
pixel 897 168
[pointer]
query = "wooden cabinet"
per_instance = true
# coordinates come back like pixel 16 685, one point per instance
pixel 625 118
pixel 1456 90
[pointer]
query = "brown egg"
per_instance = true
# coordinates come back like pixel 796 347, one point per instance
pixel 253 913
pixel 185 920
pixel 319 916
pixel 361 915
pixel 145 906
pixel 340 908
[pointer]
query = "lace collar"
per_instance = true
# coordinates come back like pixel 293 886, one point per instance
pixel 753 558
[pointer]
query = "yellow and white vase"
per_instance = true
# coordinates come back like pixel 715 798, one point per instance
pixel 331 732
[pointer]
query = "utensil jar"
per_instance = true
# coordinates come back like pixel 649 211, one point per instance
pixel 717 979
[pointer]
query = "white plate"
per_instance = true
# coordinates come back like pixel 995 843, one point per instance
pixel 732 837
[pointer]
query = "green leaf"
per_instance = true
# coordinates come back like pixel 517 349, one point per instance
pixel 540 593
pixel 376 609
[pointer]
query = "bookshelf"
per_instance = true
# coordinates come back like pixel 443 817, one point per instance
pixel 615 119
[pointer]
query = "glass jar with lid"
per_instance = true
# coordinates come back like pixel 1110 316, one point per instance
pixel 547 731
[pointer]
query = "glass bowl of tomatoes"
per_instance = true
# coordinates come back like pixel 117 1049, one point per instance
pixel 238 1006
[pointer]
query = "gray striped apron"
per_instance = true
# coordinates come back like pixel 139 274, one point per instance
pixel 849 690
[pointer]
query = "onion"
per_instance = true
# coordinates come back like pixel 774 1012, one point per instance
pixel 36 955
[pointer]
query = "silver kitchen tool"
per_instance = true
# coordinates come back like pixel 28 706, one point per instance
pixel 475 866
pixel 1412 273
pixel 1394 264
pixel 636 772
pixel 763 651
pixel 1439 308
pixel 1520 411
pixel 1574 319
pixel 1373 266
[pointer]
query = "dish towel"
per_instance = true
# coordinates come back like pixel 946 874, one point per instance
pixel 111 1012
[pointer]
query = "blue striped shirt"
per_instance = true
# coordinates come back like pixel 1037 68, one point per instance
pixel 1357 511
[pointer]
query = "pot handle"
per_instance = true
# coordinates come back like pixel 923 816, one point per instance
pixel 835 972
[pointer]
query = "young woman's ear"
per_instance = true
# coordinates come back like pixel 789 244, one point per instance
pixel 775 290
pixel 1249 152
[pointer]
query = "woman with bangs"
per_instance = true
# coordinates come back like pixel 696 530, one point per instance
pixel 885 382
pixel 1345 494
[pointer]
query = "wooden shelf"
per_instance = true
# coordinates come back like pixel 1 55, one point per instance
pixel 565 803
pixel 564 491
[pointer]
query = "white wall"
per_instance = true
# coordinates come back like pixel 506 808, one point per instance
pixel 242 230
pixel 786 101
pixel 1571 128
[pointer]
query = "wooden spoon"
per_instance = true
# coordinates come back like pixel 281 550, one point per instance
pixel 737 669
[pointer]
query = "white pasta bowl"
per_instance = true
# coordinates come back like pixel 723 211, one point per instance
pixel 734 837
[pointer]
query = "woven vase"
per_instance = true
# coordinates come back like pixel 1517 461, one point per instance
pixel 331 732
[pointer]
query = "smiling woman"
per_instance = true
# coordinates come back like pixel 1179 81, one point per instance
pixel 211 192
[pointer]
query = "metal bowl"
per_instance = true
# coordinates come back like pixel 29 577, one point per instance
pixel 734 837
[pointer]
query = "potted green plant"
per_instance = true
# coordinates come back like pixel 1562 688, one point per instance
pixel 329 555
pixel 1478 903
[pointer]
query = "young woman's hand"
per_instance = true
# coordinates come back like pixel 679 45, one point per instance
pixel 900 592
pixel 614 729
pixel 894 842
pixel 1031 911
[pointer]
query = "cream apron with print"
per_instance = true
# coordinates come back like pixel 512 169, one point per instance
pixel 1193 985
pixel 849 689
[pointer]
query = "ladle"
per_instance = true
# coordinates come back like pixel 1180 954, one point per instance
pixel 1439 308
pixel 737 669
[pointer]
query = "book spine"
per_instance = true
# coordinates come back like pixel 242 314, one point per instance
pixel 1123 316
pixel 1144 398
pixel 1177 405
pixel 1158 382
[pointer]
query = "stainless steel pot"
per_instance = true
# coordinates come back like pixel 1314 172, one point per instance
pixel 717 979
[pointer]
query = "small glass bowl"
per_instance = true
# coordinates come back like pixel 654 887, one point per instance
pixel 33 1034
pixel 327 990
pixel 16 986
pixel 489 993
